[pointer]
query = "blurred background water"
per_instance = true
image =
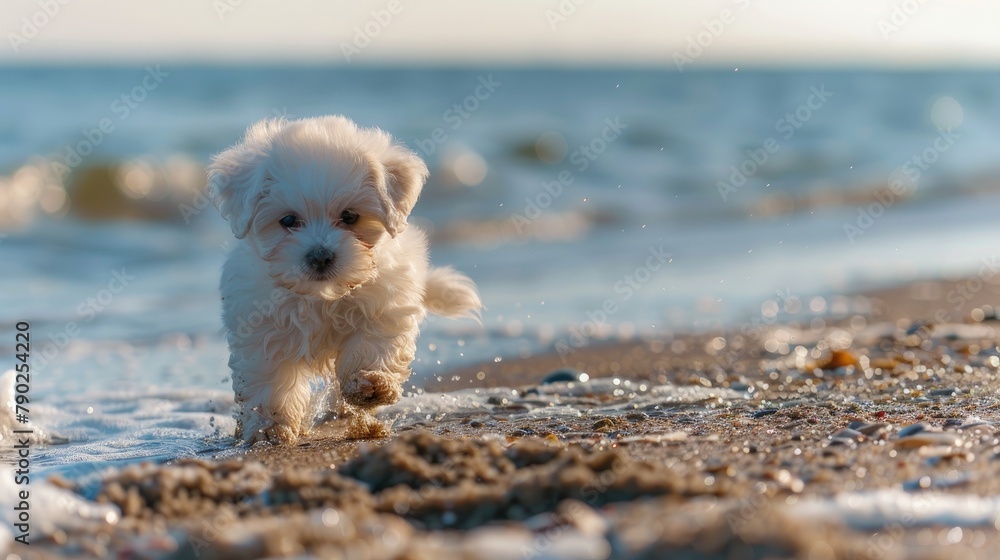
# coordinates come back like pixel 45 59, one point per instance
pixel 556 190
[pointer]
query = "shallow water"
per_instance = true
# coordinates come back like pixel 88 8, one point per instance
pixel 142 372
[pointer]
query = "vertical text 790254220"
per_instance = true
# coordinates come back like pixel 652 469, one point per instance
pixel 22 439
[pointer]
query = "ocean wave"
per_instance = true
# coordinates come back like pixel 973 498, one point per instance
pixel 138 189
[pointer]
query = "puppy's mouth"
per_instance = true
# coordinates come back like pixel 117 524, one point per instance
pixel 323 284
pixel 314 276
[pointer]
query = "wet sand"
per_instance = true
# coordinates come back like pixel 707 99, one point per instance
pixel 869 434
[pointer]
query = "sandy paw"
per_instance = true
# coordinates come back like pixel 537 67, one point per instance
pixel 278 434
pixel 368 389
pixel 260 428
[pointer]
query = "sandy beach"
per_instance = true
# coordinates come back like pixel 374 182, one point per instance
pixel 869 436
pixel 642 280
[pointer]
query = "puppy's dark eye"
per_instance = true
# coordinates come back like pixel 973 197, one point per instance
pixel 349 216
pixel 290 221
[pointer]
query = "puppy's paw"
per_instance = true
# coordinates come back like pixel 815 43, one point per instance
pixel 368 389
pixel 278 434
pixel 257 428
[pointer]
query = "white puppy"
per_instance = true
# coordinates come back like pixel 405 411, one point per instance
pixel 327 278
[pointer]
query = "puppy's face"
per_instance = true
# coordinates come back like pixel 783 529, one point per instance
pixel 315 197
pixel 316 228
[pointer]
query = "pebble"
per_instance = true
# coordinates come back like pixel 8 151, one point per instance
pixel 963 423
pixel 838 359
pixel 912 429
pixel 872 430
pixel 923 438
pixel 605 425
pixel 561 376
pixel 848 434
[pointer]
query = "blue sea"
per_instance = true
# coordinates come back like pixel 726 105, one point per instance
pixel 587 204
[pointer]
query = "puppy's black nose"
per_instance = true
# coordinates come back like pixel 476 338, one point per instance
pixel 319 259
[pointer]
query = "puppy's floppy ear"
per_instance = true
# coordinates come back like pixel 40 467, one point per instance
pixel 236 181
pixel 404 177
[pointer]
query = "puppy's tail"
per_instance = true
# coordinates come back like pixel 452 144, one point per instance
pixel 452 294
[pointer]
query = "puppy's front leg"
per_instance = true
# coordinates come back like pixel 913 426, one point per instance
pixel 273 398
pixel 371 368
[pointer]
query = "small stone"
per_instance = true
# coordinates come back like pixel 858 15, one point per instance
pixel 912 429
pixel 561 376
pixel 875 429
pixel 923 438
pixel 970 423
pixel 604 425
pixel 885 364
pixel 848 434
pixel 838 359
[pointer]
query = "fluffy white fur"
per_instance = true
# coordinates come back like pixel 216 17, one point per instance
pixel 289 319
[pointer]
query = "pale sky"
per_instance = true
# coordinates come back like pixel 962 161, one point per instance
pixel 755 32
